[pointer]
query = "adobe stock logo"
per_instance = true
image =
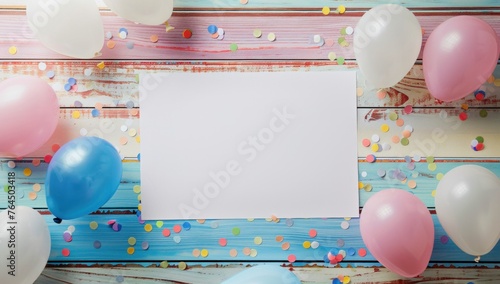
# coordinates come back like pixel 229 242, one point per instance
pixel 248 150
pixel 49 9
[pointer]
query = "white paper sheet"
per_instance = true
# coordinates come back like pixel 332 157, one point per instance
pixel 248 145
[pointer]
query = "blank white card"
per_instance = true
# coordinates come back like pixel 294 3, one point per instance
pixel 248 145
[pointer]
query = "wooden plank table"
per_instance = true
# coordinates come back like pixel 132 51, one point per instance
pixel 116 89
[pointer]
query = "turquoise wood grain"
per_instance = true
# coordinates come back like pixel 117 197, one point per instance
pixel 114 245
pixel 126 199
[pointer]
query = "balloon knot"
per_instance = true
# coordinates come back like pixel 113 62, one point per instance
pixel 477 259
pixel 57 220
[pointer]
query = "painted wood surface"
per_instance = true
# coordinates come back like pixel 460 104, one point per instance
pixel 437 134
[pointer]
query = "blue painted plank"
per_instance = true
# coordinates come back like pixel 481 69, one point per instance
pixel 114 244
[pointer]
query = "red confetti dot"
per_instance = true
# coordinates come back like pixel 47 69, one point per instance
pixel 65 252
pixel 479 146
pixel 222 242
pixel 313 233
pixel 47 158
pixel 463 116
pixel 292 258
pixel 339 257
pixel 370 158
pixel 408 109
pixel 366 142
pixel 55 147
pixel 187 33
pixel 166 232
pixel 479 97
pixel 177 228
pixel 362 252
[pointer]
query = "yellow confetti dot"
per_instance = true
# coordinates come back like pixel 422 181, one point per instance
pixel 257 240
pixel 137 188
pixel 347 218
pixel 368 187
pixel 12 50
pixel 27 172
pixel 130 250
pixel 332 56
pixel 139 207
pixel 132 241
pixel 138 139
pixel 253 253
pixel 465 106
pixel 432 166
pixel 204 253
pixel 32 195
pixel 76 114
pixel 497 82
pixel 412 184
pixel 433 193
pixel 346 280
pixel 306 244
pixel 201 221
pixel 491 79
pixel 164 264
pixel 375 148
pixel 148 228
pixel 384 127
pixel 360 185
pixel 139 197
pixel 325 10
pixel 439 176
pixel 37 187
pixel 93 225
pixel 101 65
pixel 341 9
pixel 182 265
pixel 159 224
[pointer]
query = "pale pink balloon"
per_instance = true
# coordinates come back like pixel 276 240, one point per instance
pixel 29 113
pixel 459 56
pixel 398 230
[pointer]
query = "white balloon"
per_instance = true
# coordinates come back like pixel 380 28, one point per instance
pixel 148 12
pixel 387 41
pixel 24 247
pixel 70 27
pixel 468 207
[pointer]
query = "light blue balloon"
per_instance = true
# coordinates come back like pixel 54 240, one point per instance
pixel 264 274
pixel 82 176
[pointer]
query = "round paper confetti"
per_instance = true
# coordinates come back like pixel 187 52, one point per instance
pixel 97 244
pixel 164 264
pixel 27 172
pixel 233 253
pixel 182 265
pixel 325 10
pixel 236 231
pixel 204 253
pixel 166 232
pixel 292 258
pixel 233 47
pixel 314 245
pixel 384 128
pixel 93 225
pixel 132 241
pixel 279 239
pixel 257 33
pixel 257 240
pixel 148 228
pixel 306 244
pixel 12 50
pixel 362 252
pixel 271 37
pixel 344 225
pixel 285 246
pixel 177 239
pixel 177 228
pixel 65 252
pixel 370 158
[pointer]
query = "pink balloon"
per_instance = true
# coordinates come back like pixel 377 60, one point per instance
pixel 29 112
pixel 397 229
pixel 459 56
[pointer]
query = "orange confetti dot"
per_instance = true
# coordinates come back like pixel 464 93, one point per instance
pixel 400 122
pixel 134 112
pixel 406 134
pixel 395 139
pixel 381 94
pixel 123 141
pixel 285 246
pixel 36 162
pixel 247 251
pixel 412 184
pixel 233 252
pixel 153 38
pixel 196 253
pixel 32 195
pixel 98 106
pixel 27 172
pixel 279 239
pixel 111 44
pixel 130 250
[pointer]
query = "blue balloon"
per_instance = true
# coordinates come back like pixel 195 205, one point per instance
pixel 264 274
pixel 82 176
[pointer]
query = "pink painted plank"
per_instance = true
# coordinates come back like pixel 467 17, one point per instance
pixel 294 32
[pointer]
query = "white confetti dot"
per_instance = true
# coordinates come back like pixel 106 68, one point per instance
pixel 349 30
pixel 124 128
pixel 314 245
pixel 344 225
pixel 375 138
pixel 409 128
pixel 84 132
pixel 42 66
pixel 11 164
pixel 364 173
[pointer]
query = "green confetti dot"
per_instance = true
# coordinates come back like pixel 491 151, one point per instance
pixel 236 231
pixel 405 141
pixel 393 116
pixel 439 176
pixel 342 31
pixel 164 264
pixel 480 139
pixel 432 167
pixel 93 225
pixel 430 159
pixel 483 113
pixel 341 40
pixel 233 47
pixel 340 60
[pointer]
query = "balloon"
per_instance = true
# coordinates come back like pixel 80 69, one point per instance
pixel 467 205
pixel 397 229
pixel 387 41
pixel 25 246
pixel 82 176
pixel 465 37
pixel 148 12
pixel 264 274
pixel 29 112
pixel 72 28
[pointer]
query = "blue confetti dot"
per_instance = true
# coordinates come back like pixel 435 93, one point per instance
pixel 334 251
pixel 120 279
pixel 186 226
pixel 212 29
pixel 95 112
pixel 67 87
pixel 351 251
pixel 51 74
pixel 130 44
pixel 139 157
pixel 325 259
pixel 72 81
pixel 336 281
